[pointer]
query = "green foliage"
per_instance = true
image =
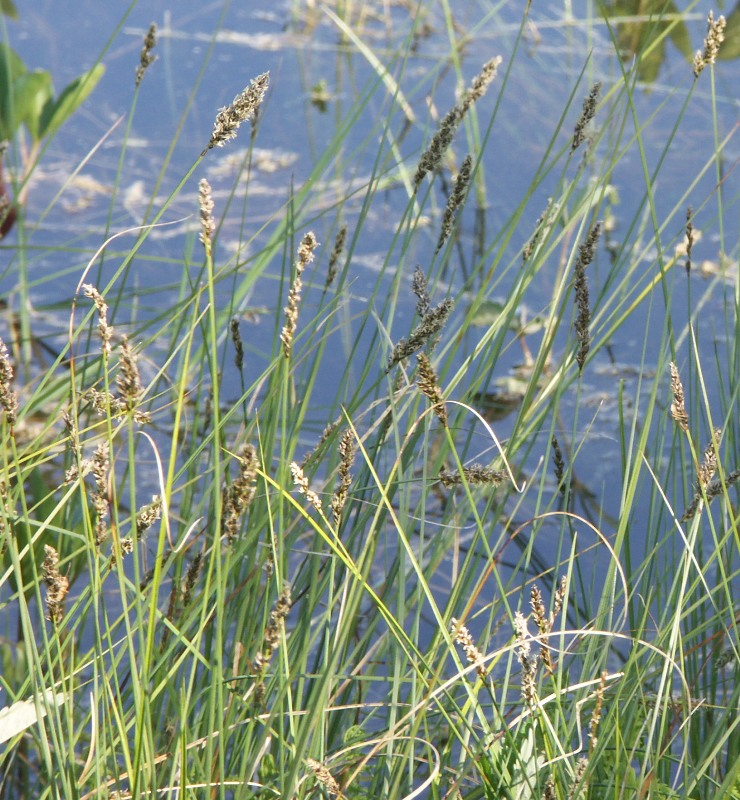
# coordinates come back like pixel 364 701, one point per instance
pixel 293 571
pixel 27 97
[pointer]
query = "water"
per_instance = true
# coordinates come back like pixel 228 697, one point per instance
pixel 205 56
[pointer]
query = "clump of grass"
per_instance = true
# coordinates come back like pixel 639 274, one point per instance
pixel 355 598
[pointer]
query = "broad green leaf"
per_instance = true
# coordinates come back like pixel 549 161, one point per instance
pixel 11 68
pixel 31 92
pixel 9 9
pixel 58 111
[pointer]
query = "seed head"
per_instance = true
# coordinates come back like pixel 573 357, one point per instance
pixel 419 286
pixel 301 481
pixel 147 59
pixel 714 38
pixel 324 777
pixel 305 256
pixel 430 325
pixel 238 495
pixel 587 114
pixel 206 205
pixel 245 107
pixel 147 515
pixel 347 457
pixel 105 330
pixel 236 338
pixel 100 471
pixel 336 253
pixel 57 585
pixel 273 632
pixel 472 653
pixel 583 316
pixel 480 84
pixel 528 662
pixel 8 396
pixel 559 463
pixel 689 237
pixel 432 156
pixel 129 382
pixel 474 474
pixel 428 383
pixel 678 406
pixel 454 201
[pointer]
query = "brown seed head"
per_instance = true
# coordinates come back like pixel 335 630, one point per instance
pixel 244 107
pixel 428 383
pixel 101 471
pixel 238 496
pixel 57 585
pixel 347 457
pixel 420 287
pixel 474 474
pixel 129 382
pixel 454 201
pixel 336 253
pixel 147 59
pixel 583 317
pixel 323 776
pixel 432 156
pixel 147 515
pixel 305 256
pixel 480 84
pixel 236 338
pixel 273 632
pixel 587 114
pixel 678 406
pixel 8 396
pixel 472 653
pixel 430 325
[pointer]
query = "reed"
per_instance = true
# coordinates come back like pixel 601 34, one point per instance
pixel 250 547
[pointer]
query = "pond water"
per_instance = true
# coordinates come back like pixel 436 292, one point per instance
pixel 207 53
